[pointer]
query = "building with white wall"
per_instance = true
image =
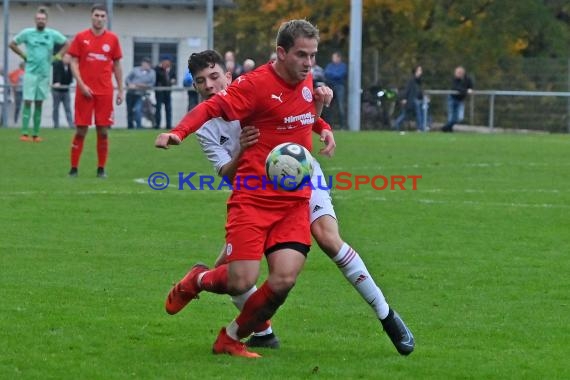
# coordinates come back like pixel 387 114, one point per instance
pixel 145 28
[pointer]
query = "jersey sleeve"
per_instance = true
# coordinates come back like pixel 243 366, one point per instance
pixel 74 48
pixel 320 125
pixel 58 37
pixel 238 100
pixel 117 51
pixel 22 37
pixel 194 119
pixel 214 152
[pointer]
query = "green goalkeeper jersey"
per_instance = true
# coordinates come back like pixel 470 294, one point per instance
pixel 39 48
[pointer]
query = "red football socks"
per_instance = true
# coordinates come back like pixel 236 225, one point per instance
pixel 215 280
pixel 102 149
pixel 76 149
pixel 258 309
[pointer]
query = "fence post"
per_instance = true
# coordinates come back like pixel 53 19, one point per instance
pixel 472 109
pixel 492 111
pixel 568 101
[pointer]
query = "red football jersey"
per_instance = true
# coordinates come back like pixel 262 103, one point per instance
pixel 96 55
pixel 282 112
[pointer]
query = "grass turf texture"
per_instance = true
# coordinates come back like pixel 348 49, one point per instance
pixel 476 262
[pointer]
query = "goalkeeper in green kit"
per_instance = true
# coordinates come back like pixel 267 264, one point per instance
pixel 39 43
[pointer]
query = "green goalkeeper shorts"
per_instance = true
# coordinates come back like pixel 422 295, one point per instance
pixel 36 87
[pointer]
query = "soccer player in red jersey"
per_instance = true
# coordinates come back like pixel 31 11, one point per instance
pixel 96 56
pixel 278 99
pixel 223 144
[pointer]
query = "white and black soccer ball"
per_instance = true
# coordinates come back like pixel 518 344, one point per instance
pixel 289 165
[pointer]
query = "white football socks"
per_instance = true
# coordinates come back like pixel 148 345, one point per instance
pixel 353 268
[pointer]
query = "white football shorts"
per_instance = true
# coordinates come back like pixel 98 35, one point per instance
pixel 321 201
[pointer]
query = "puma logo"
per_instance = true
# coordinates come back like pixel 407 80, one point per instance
pixel 273 96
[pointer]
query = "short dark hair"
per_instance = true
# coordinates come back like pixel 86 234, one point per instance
pixel 207 58
pixel 42 10
pixel 98 7
pixel 291 30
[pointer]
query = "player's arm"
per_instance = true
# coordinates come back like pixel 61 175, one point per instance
pixel 63 50
pixel 190 123
pixel 74 65
pixel 324 129
pixel 16 49
pixel 248 137
pixel 118 72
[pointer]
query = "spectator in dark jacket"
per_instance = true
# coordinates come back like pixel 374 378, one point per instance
pixel 165 77
pixel 462 85
pixel 61 80
pixel 336 74
pixel 412 101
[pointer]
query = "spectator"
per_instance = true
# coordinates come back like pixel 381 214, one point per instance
pixel 273 57
pixel 16 78
pixel 192 93
pixel 318 75
pixel 462 85
pixel 62 78
pixel 140 79
pixel 336 73
pixel 412 101
pixel 248 65
pixel 165 77
pixel 231 64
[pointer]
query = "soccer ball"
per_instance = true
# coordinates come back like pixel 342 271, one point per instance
pixel 289 165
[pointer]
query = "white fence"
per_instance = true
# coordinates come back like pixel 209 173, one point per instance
pixel 179 107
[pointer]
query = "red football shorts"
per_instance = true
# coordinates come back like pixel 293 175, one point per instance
pixel 252 229
pixel 99 105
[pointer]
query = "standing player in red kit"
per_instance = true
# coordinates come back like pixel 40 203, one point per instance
pixel 96 55
pixel 278 99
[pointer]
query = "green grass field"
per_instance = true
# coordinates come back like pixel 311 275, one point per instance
pixel 475 260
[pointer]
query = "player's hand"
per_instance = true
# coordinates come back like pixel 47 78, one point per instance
pixel 323 96
pixel 328 138
pixel 85 90
pixel 248 137
pixel 119 99
pixel 164 140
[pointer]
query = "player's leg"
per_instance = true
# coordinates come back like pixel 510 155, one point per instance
pixel 83 119
pixel 26 114
pixel 324 228
pixel 103 110
pixel 42 92
pixel 37 120
pixel 287 241
pixel 102 150
pixel 263 335
pixel 245 239
pixel 29 94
